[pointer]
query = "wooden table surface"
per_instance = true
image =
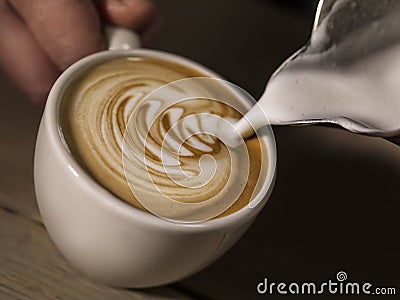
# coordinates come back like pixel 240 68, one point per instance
pixel 335 205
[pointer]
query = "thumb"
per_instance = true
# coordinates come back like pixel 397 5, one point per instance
pixel 133 14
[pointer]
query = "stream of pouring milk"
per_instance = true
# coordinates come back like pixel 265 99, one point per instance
pixel 350 68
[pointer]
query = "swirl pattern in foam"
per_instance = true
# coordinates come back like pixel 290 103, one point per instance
pixel 157 145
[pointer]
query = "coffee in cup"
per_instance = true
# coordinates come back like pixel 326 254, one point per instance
pixel 140 135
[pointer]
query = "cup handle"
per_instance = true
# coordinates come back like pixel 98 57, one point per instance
pixel 121 38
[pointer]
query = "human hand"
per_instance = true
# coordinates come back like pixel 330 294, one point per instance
pixel 41 38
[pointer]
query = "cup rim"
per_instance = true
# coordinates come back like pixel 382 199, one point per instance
pixel 105 197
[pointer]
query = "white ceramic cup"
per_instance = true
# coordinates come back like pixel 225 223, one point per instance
pixel 109 239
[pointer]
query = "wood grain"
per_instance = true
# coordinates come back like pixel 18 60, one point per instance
pixel 31 268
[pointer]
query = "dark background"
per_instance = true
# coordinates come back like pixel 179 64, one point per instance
pixel 335 206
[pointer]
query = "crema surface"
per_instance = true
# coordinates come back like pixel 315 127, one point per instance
pixel 147 144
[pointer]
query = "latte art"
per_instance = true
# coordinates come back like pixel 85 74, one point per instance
pixel 184 165
pixel 156 144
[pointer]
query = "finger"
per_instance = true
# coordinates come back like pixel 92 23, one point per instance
pixel 133 14
pixel 22 57
pixel 152 32
pixel 67 30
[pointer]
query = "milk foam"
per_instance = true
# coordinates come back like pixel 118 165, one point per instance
pixel 367 92
pixel 350 68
